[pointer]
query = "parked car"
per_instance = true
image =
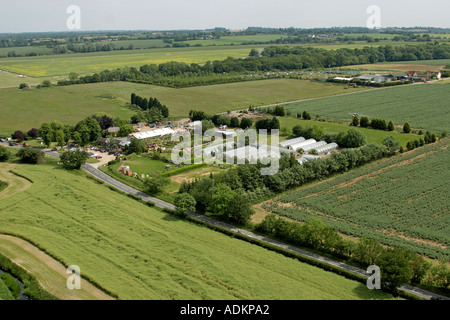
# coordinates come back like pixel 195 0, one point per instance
pixel 54 149
pixel 2 140
pixel 11 144
pixel 98 157
pixel 16 143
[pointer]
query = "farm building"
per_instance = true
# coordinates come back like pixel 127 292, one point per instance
pixel 153 134
pixel 288 143
pixel 301 145
pixel 125 170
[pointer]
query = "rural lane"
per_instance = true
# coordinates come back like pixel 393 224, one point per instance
pixel 211 221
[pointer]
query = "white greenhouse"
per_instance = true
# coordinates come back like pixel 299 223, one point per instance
pixel 326 148
pixel 301 145
pixel 313 146
pixel 288 143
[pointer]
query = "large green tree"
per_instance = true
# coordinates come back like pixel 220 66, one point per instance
pixel 395 268
pixel 73 160
pixel 184 202
pixel 155 183
pixel 222 196
pixel 239 210
pixel 354 139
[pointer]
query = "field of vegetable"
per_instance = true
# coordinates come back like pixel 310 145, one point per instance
pixel 422 105
pixel 139 252
pixel 400 201
pixel 22 110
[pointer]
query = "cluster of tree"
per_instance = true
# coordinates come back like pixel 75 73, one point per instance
pixel 351 139
pixel 219 120
pixel 31 156
pixel 398 266
pixel 268 124
pixel 72 160
pixel 87 130
pixel 214 194
pixel 321 58
pixel 428 138
pixel 149 104
pixel 83 48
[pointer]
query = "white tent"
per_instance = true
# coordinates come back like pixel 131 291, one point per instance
pixel 153 134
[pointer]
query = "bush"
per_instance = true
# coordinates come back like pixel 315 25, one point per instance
pixel 353 139
pixel 23 85
pixel 33 156
pixel 11 283
pixel 18 135
pixel 151 203
pixel 5 154
pixel 406 128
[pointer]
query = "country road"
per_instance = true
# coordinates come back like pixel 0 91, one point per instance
pixel 423 294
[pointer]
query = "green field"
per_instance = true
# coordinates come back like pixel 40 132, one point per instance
pixel 139 252
pixel 25 50
pixel 400 201
pixel 8 80
pixel 423 105
pixel 83 63
pixel 373 136
pixel 22 110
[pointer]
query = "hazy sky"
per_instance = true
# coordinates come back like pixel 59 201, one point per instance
pixel 50 15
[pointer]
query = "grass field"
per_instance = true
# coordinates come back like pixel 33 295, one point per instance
pixel 22 110
pixel 400 201
pixel 83 63
pixel 373 136
pixel 141 253
pixel 51 274
pixel 423 105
